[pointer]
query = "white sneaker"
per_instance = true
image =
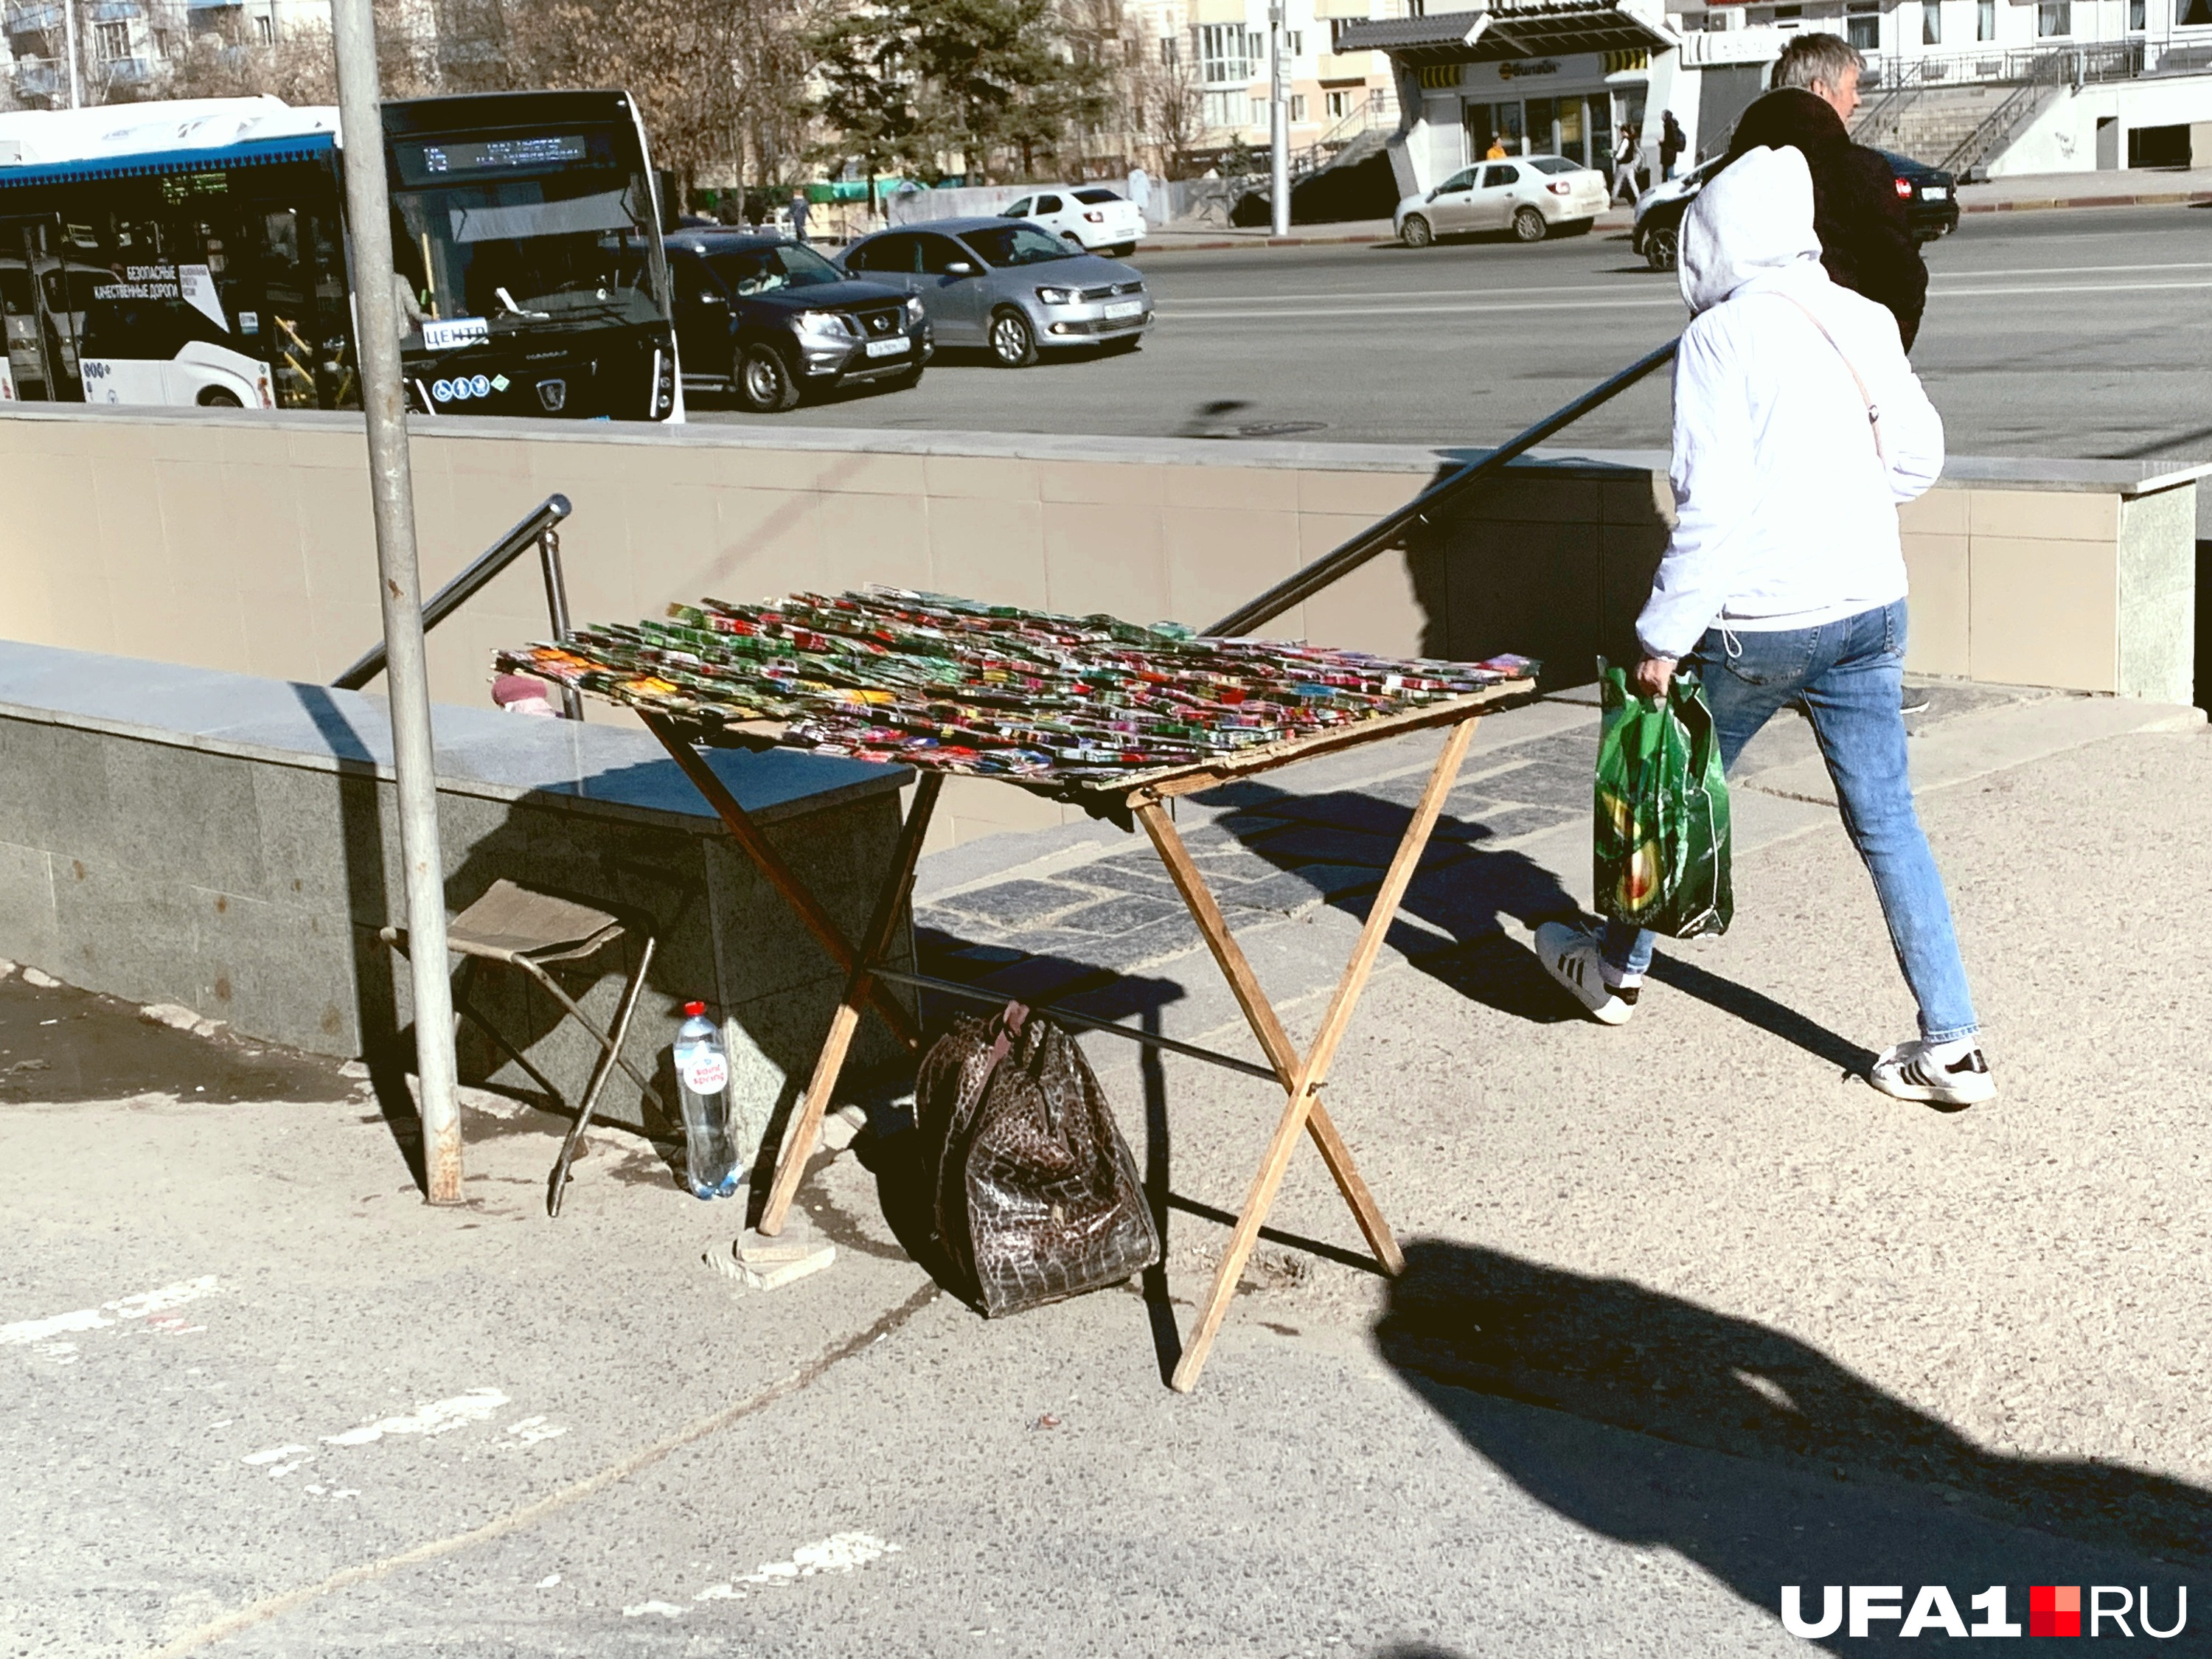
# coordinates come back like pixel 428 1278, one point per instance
pixel 1912 1071
pixel 1569 956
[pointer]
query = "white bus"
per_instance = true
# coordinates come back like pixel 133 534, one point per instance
pixel 196 253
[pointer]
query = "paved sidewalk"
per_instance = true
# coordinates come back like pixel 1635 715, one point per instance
pixel 1692 1313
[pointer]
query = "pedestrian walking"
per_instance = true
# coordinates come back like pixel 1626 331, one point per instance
pixel 1799 426
pixel 1496 151
pixel 1624 164
pixel 799 215
pixel 1672 141
pixel 1865 242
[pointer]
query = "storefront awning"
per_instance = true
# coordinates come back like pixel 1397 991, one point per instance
pixel 1511 29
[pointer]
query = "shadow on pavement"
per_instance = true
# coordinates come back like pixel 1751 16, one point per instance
pixel 1826 1479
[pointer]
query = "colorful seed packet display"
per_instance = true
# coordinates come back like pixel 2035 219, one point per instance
pixel 887 674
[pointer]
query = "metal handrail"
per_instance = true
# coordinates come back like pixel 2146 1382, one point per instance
pixel 1391 531
pixel 538 530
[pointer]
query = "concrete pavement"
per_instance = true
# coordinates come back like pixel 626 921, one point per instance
pixel 1693 1314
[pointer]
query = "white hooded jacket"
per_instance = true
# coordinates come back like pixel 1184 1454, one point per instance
pixel 1786 514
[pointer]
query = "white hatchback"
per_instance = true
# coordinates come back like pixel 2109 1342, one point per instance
pixel 1095 219
pixel 1530 196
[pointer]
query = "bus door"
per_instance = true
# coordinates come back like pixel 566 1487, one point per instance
pixel 41 291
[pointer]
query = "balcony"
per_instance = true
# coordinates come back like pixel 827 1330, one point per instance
pixel 36 80
pixel 116 11
pixel 129 71
pixel 34 20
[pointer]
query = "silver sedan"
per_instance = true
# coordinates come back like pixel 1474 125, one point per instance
pixel 1007 286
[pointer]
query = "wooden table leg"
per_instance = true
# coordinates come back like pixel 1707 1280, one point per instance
pixel 780 876
pixel 807 1123
pixel 1274 1041
pixel 1299 1108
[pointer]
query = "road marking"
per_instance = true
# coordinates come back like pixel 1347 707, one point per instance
pixel 439 1417
pixel 141 1306
pixel 1672 301
pixel 841 1552
pixel 665 1609
pixel 269 1606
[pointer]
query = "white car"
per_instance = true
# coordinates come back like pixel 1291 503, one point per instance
pixel 1095 219
pixel 1530 196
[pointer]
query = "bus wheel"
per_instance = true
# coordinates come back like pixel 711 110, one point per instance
pixel 764 381
pixel 216 397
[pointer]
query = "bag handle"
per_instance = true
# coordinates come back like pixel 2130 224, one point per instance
pixel 1874 414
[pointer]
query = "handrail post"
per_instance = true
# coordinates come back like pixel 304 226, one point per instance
pixel 556 608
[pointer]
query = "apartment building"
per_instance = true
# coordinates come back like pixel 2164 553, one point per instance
pixel 1220 48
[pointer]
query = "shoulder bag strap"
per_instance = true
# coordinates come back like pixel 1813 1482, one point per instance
pixel 1873 414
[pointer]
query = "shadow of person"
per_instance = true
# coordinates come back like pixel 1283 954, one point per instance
pixel 1754 1454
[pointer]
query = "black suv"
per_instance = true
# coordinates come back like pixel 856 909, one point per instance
pixel 772 321
pixel 1930 197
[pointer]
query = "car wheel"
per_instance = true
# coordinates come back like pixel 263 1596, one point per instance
pixel 1659 248
pixel 1013 341
pixel 763 380
pixel 1527 225
pixel 1121 250
pixel 1415 232
pixel 217 397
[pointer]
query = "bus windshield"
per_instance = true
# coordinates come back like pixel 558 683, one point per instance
pixel 545 252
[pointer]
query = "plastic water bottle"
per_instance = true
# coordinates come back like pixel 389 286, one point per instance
pixel 703 1078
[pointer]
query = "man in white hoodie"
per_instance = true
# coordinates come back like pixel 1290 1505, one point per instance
pixel 1798 427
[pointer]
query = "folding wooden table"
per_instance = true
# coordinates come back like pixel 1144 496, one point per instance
pixel 1141 798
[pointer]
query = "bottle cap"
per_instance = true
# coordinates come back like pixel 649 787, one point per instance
pixel 695 1007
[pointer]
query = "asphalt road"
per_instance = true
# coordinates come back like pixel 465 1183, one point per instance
pixel 2081 333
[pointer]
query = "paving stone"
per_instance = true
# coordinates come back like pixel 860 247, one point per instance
pixel 1156 942
pixel 1016 904
pixel 1502 823
pixel 1321 844
pixel 1293 892
pixel 1377 814
pixel 1120 913
pixel 1139 873
pixel 1544 784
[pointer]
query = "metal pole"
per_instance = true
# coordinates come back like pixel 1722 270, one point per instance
pixel 1279 122
pixel 556 608
pixel 392 494
pixel 69 40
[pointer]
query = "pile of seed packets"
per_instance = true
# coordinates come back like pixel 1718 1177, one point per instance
pixel 888 674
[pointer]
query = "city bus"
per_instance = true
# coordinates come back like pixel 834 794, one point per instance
pixel 196 253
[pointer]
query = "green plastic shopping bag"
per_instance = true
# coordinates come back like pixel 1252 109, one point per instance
pixel 1661 846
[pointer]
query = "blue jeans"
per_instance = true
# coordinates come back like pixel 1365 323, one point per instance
pixel 1847 676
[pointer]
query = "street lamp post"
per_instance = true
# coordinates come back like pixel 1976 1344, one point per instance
pixel 391 498
pixel 1279 122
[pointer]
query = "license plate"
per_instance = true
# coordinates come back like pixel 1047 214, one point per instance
pixel 1126 308
pixel 889 348
pixel 1934 192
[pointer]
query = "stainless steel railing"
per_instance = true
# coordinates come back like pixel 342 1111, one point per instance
pixel 539 530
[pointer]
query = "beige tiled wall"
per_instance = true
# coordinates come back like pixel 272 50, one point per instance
pixel 244 542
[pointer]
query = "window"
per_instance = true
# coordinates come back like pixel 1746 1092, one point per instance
pixel 1336 29
pixel 1224 55
pixel 1985 20
pixel 1298 106
pixel 1171 50
pixel 264 30
pixel 2135 14
pixel 1788 14
pixel 1551 164
pixel 2196 14
pixel 1048 204
pixel 110 40
pixel 1225 109
pixel 939 254
pixel 1294 43
pixel 1931 24
pixel 1094 198
pixel 1417 8
pixel 1336 105
pixel 892 252
pixel 1862 26
pixel 1495 176
pixel 1458 181
pixel 2054 18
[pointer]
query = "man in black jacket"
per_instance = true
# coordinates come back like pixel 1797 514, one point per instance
pixel 1857 212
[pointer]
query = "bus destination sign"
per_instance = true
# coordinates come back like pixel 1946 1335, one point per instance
pixel 430 162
